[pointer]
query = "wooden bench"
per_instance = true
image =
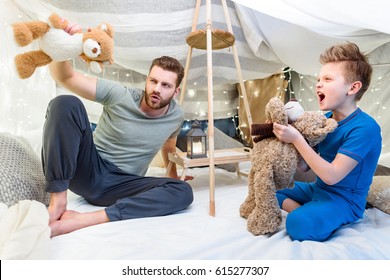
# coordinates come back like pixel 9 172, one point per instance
pixel 222 156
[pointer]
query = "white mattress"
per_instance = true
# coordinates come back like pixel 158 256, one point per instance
pixel 195 235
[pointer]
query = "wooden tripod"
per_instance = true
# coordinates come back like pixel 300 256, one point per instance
pixel 210 40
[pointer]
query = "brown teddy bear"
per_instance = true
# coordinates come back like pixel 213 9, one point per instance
pixel 273 164
pixel 379 193
pixel 96 46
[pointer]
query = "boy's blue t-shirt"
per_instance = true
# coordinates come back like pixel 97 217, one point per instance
pixel 358 136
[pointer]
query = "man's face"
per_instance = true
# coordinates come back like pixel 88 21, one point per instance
pixel 160 88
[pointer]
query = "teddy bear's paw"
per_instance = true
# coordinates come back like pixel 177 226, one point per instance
pixel 26 32
pixel 259 224
pixel 95 67
pixel 25 66
pixel 58 22
pixel 245 210
pixel 27 62
pixel 261 230
pixel 22 34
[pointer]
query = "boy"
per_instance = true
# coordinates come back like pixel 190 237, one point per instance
pixel 346 159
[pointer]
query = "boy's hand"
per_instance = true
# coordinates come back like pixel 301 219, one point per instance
pixel 284 133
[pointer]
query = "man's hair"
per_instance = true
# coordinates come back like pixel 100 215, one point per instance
pixel 170 64
pixel 357 67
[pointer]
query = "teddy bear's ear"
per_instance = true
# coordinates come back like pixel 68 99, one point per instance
pixel 108 29
pixel 331 125
pixel 275 111
pixel 317 135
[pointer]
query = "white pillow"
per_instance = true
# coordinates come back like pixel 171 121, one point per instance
pixel 21 174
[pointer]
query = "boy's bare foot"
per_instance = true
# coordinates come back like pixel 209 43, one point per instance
pixel 72 220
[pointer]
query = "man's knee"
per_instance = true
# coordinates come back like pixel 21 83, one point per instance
pixel 186 193
pixel 64 102
pixel 66 107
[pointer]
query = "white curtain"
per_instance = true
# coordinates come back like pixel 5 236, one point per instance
pixel 297 32
pixel 270 35
pixel 22 102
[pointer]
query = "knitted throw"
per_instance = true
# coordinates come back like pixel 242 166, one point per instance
pixel 21 175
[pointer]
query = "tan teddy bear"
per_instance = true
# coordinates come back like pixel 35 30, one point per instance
pixel 273 164
pixel 96 46
pixel 379 194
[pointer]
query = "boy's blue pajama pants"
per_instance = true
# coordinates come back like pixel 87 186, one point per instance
pixel 319 216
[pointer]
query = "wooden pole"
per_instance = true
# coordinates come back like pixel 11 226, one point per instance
pixel 238 66
pixel 210 108
pixel 189 54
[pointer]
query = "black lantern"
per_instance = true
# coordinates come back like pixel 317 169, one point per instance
pixel 196 142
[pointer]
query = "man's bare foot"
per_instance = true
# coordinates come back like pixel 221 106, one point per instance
pixel 57 206
pixel 72 220
pixel 55 212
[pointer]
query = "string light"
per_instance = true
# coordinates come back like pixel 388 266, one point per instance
pixel 21 101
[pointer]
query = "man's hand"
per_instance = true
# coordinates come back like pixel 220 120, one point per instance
pixel 188 178
pixel 72 28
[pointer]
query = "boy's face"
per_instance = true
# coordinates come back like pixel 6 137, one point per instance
pixel 331 87
pixel 160 88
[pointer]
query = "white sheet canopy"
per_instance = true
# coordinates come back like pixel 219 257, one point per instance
pixel 270 35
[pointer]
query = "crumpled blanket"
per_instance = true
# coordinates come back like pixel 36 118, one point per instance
pixel 24 231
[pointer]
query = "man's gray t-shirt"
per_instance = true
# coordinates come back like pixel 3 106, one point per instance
pixel 125 135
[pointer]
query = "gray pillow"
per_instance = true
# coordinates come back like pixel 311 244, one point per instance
pixel 223 141
pixel 21 175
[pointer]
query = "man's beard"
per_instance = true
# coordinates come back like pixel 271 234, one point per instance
pixel 156 104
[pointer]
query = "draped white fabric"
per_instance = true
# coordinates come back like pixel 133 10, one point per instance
pixel 270 35
pixel 297 32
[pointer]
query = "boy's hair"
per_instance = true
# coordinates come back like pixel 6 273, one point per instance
pixel 170 64
pixel 357 65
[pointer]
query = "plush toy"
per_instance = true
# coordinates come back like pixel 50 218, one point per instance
pixel 96 46
pixel 379 193
pixel 293 109
pixel 273 164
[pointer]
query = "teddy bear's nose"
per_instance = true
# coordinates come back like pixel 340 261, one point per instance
pixel 94 50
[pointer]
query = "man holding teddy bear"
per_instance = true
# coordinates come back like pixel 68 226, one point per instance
pixel 107 166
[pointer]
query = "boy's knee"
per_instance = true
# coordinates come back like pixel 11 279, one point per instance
pixel 302 228
pixel 296 227
pixel 280 197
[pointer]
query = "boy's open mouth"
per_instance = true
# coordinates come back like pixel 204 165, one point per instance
pixel 321 96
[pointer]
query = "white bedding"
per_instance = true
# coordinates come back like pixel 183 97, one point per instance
pixel 24 231
pixel 193 234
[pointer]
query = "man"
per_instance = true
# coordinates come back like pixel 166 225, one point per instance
pixel 107 166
